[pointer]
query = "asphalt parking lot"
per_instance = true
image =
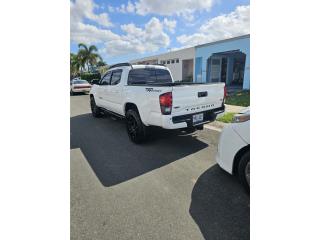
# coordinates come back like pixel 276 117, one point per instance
pixel 168 188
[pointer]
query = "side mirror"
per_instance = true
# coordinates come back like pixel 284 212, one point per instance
pixel 95 81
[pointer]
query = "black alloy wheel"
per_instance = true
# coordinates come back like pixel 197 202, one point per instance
pixel 135 128
pixel 96 112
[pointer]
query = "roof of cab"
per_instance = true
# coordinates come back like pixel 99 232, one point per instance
pixel 119 65
pixel 148 66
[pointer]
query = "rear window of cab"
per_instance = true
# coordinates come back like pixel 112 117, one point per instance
pixel 144 76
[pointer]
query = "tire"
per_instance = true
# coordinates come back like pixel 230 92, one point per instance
pixel 244 170
pixel 96 111
pixel 71 92
pixel 136 130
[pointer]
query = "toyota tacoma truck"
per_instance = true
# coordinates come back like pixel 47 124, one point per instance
pixel 146 95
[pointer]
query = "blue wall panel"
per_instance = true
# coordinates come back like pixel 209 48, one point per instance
pixel 202 53
pixel 198 70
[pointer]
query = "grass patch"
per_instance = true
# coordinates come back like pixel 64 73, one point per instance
pixel 241 98
pixel 226 118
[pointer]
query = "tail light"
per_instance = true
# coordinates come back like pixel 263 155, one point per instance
pixel 165 100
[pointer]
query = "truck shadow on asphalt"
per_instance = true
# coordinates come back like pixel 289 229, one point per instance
pixel 115 159
pixel 220 206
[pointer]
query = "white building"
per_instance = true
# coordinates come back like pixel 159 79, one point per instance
pixel 180 63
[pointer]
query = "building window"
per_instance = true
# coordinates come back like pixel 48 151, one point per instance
pixel 177 60
pixel 168 62
pixel 172 61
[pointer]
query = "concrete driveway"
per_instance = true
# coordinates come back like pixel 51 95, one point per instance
pixel 168 188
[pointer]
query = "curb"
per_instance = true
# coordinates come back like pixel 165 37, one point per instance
pixel 215 126
pixel 212 128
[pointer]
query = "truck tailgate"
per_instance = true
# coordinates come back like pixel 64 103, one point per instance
pixel 187 99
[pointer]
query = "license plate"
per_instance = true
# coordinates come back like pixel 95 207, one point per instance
pixel 197 118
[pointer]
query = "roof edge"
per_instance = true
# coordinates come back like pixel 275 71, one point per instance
pixel 223 40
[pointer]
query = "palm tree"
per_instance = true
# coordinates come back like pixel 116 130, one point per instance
pixel 101 64
pixel 88 55
pixel 75 64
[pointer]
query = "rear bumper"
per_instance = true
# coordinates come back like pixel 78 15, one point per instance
pixel 81 89
pixel 185 121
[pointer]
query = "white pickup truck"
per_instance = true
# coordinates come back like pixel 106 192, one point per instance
pixel 146 95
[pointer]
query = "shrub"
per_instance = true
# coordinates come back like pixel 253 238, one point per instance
pixel 90 76
pixel 226 118
pixel 241 98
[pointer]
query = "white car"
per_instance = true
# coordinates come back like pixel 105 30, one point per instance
pixel 79 86
pixel 146 95
pixel 234 148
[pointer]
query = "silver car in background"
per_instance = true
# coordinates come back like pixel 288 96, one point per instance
pixel 79 86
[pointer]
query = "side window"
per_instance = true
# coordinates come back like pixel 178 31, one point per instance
pixel 116 77
pixel 172 61
pixel 106 79
pixel 141 76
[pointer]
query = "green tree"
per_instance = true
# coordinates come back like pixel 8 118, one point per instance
pixel 88 55
pixel 101 64
pixel 75 65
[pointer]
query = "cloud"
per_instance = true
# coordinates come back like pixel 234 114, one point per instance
pixel 148 38
pixel 129 8
pixel 170 24
pixel 87 33
pixel 121 9
pixel 90 34
pixel 184 8
pixel 234 24
pixel 111 9
pixel 81 9
pixel 169 7
pixel 139 40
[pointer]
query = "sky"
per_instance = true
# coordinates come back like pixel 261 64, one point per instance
pixel 124 30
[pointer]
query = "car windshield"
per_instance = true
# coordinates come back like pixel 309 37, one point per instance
pixel 79 81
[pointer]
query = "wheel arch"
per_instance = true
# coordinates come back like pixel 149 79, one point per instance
pixel 130 105
pixel 133 106
pixel 237 158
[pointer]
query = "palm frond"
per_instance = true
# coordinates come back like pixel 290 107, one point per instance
pixel 93 48
pixel 82 45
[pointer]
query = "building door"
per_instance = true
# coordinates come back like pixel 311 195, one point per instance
pixel 187 70
pixel 214 69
